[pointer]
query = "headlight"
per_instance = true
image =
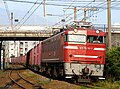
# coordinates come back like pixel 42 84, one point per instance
pixel 97 31
pixel 75 30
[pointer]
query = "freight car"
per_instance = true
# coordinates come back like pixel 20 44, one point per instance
pixel 33 59
pixel 76 53
pixel 18 60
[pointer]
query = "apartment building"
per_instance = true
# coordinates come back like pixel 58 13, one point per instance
pixel 18 48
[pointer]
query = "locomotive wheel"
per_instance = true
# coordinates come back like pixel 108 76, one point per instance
pixel 94 79
pixel 54 73
pixel 37 69
pixel 75 79
pixel 60 74
pixel 48 71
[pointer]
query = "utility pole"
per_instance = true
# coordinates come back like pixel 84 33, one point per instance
pixel 109 23
pixel 12 20
pixel 75 11
pixel 0 53
pixel 85 10
pixel 85 15
pixel 3 57
pixel 44 8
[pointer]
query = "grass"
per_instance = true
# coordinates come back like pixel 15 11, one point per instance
pixel 83 87
pixel 29 74
pixel 2 72
pixel 104 84
pixel 42 81
pixel 2 76
pixel 107 85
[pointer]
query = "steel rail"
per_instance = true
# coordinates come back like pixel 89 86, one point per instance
pixel 15 81
pixel 25 79
pixel 18 73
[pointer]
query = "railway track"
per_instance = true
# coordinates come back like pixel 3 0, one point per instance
pixel 17 81
pixel 86 85
pixel 21 82
pixel 89 85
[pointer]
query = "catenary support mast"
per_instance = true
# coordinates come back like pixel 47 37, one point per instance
pixel 109 23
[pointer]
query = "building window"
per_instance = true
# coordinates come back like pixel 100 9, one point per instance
pixel 21 54
pixel 21 44
pixel 26 44
pixel 26 49
pixel 21 49
pixel 11 43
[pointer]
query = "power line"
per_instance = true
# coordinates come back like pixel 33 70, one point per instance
pixel 69 6
pixel 103 4
pixel 102 7
pixel 80 13
pixel 7 10
pixel 59 5
pixel 106 8
pixel 69 1
pixel 27 13
pixel 72 13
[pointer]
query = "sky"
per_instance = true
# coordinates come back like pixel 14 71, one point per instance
pixel 58 12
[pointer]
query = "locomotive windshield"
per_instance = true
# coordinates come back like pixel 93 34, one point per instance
pixel 75 38
pixel 96 39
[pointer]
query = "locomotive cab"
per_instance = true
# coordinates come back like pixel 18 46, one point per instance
pixel 84 52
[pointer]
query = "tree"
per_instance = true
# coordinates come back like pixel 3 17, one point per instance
pixel 112 69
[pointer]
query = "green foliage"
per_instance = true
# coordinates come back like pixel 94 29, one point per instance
pixel 113 63
pixel 107 85
pixel 42 81
pixel 2 72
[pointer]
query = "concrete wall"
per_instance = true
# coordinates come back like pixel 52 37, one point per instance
pixel 115 39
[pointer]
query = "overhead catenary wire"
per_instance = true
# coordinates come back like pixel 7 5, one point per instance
pixel 46 4
pixel 103 4
pixel 66 10
pixel 29 16
pixel 114 6
pixel 26 13
pixel 59 5
pixel 71 14
pixel 31 2
pixel 7 11
pixel 102 7
pixel 79 14
pixel 69 6
pixel 67 1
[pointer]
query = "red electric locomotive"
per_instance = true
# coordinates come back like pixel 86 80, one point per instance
pixel 76 52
